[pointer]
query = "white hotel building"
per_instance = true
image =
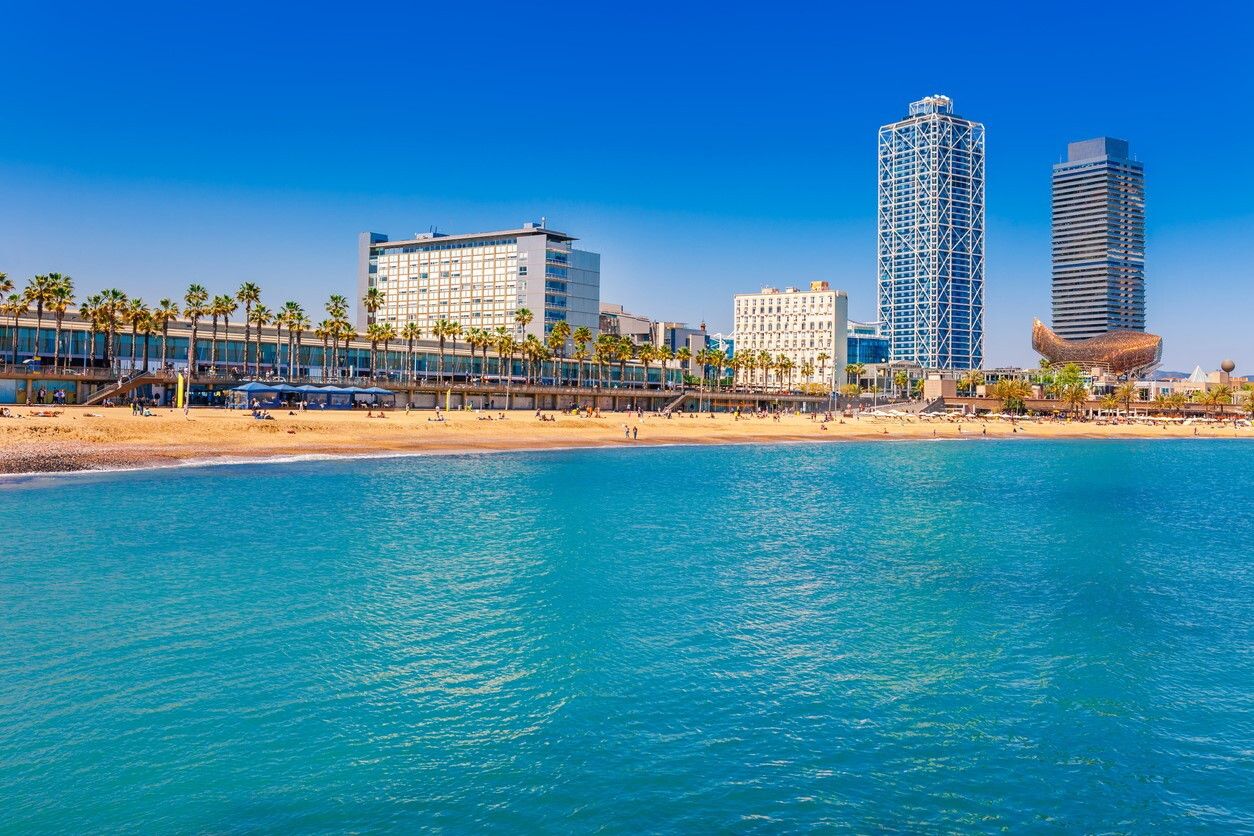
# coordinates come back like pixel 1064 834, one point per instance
pixel 800 324
pixel 480 280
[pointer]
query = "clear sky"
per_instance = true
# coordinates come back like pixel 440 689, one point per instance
pixel 702 149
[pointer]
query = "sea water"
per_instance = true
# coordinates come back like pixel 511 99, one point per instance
pixel 901 635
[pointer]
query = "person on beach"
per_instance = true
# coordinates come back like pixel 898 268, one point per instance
pixel 626 431
pixel 635 431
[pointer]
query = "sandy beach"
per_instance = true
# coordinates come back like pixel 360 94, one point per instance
pixel 108 438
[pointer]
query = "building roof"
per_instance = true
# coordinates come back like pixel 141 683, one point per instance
pixel 440 237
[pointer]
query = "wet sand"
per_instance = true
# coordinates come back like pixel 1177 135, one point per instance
pixel 111 438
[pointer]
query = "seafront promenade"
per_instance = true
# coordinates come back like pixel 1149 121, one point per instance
pixel 103 438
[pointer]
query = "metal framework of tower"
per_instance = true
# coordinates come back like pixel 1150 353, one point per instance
pixel 931 237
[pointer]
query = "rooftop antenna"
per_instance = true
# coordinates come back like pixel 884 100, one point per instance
pixel 544 222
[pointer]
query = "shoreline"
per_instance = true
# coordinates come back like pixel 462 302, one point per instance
pixel 111 440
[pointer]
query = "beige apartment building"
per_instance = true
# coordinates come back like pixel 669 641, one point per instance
pixel 799 324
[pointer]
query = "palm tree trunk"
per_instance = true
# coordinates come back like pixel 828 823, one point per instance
pixel 146 338
pixel 56 349
pixel 165 339
pixel 213 346
pixel 134 339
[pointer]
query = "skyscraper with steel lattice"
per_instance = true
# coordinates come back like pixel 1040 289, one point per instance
pixel 1099 240
pixel 931 237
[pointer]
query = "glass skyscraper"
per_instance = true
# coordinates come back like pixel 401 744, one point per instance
pixel 931 237
pixel 1099 240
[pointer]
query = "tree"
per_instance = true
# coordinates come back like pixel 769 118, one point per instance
pixel 854 372
pixel 40 290
pixel 147 329
pixel 220 308
pixel 1074 395
pixel 850 390
pixel 112 303
pixel 62 298
pixel 1013 394
pixel 1219 397
pixel 296 321
pixel 165 310
pixel 411 333
pixel 372 301
pixel 388 333
pixel 1125 393
pixel 647 354
pixel 88 311
pixel 505 348
pixel 323 332
pixel 901 379
pixel 136 312
pixel 523 318
pixel 374 333
pixel 260 316
pixel 441 330
pixel 194 308
pixel 558 335
pixel 581 336
pixel 16 305
pixel 249 294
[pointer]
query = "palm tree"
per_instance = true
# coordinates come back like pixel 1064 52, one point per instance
pixel 136 312
pixel 16 306
pixel 147 328
pixel 647 354
pixel 218 308
pixel 823 357
pixel 374 335
pixel 347 333
pixel 442 329
pixel 682 356
pixel 1012 393
pixel 558 335
pixel 901 379
pixel 581 336
pixel 88 311
pixel 1109 403
pixel 6 284
pixel 410 334
pixel 579 355
pixel 249 294
pixel 372 301
pixel 324 331
pixel 454 331
pixel 165 310
pixel 505 348
pixel 280 319
pixel 807 371
pixel 523 318
pixel 260 316
pixel 853 372
pixel 1219 397
pixel 1125 393
pixel 40 291
pixel 297 324
pixel 663 355
pixel 1075 395
pixel 194 308
pixel 62 298
pixel 388 332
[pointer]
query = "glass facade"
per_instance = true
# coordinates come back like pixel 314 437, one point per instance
pixel 931 237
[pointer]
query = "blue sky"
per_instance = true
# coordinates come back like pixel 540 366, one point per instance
pixel 702 149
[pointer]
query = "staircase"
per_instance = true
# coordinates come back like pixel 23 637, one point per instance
pixel 123 386
pixel 676 402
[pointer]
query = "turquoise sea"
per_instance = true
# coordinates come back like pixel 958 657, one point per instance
pixel 930 636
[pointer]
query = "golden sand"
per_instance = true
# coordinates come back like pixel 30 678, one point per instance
pixel 96 438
